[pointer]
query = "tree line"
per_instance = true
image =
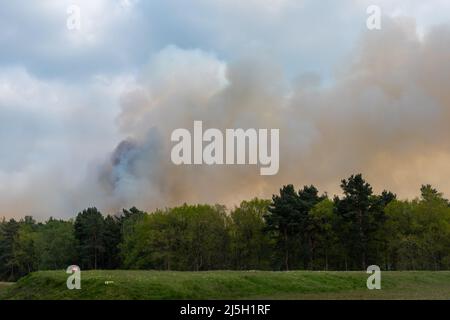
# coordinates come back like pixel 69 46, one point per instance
pixel 296 229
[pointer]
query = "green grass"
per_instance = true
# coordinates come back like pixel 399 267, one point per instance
pixel 4 286
pixel 230 285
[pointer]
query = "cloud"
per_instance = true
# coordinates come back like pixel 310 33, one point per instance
pixel 119 36
pixel 35 36
pixel 50 133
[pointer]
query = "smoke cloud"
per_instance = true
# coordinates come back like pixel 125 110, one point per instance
pixel 385 114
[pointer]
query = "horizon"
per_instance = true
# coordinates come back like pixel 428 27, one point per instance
pixel 228 208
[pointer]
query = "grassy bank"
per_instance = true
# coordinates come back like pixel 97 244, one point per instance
pixel 230 285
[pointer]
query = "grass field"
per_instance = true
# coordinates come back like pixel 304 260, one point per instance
pixel 3 287
pixel 229 285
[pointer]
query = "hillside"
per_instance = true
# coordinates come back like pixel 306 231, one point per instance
pixel 230 285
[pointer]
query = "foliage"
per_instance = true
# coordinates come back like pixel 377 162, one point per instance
pixel 295 230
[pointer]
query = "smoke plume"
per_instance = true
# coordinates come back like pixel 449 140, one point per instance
pixel 386 114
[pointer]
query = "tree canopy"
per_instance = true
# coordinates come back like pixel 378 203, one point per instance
pixel 296 229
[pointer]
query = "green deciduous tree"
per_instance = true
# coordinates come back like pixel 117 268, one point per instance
pixel 322 229
pixel 250 246
pixel 181 238
pixel 56 244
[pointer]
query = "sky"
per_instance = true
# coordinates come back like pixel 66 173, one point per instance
pixel 86 114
